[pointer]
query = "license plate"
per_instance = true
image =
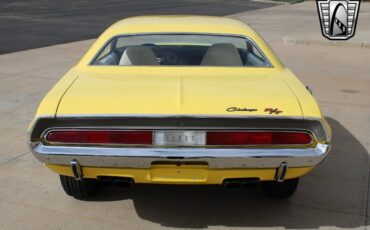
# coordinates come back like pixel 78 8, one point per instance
pixel 180 138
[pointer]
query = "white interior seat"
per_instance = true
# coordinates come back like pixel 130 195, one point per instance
pixel 222 54
pixel 138 55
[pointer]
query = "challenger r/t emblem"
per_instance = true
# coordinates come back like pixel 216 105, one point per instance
pixel 237 109
pixel 273 110
pixel 338 18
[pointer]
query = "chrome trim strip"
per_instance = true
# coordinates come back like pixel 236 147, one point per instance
pixel 144 157
pixel 181 116
pixel 179 152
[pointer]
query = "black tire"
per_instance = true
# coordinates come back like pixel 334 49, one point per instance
pixel 79 189
pixel 280 190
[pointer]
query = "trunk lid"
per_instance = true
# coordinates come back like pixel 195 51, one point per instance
pixel 179 91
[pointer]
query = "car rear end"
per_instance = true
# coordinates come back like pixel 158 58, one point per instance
pixel 180 150
pixel 168 104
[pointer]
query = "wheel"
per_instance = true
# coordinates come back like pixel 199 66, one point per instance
pixel 79 189
pixel 280 190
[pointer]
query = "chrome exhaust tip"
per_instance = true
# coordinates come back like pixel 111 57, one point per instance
pixel 281 172
pixel 76 169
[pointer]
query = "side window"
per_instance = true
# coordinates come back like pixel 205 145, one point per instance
pixel 257 53
pixel 107 56
pixel 254 57
pixel 104 52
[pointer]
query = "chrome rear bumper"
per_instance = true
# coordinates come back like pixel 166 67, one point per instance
pixel 144 157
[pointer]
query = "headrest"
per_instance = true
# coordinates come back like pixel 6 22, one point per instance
pixel 138 55
pixel 222 54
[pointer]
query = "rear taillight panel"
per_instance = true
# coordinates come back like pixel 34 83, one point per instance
pixel 258 138
pixel 100 137
pixel 181 138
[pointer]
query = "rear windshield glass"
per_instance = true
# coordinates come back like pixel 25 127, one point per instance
pixel 181 50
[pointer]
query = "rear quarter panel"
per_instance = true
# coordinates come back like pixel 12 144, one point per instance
pixel 49 104
pixel 309 105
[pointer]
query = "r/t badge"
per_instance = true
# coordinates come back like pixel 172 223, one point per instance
pixel 273 110
pixel 338 18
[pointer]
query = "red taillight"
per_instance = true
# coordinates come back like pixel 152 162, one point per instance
pixel 213 138
pixel 257 138
pixel 101 137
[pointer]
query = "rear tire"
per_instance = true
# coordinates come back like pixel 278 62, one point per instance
pixel 79 189
pixel 280 190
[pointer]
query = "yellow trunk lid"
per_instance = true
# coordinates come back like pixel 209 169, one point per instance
pixel 179 91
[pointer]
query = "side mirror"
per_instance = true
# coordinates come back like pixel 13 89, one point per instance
pixel 309 89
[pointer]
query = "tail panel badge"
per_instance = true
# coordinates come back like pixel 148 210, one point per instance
pixel 273 110
pixel 338 18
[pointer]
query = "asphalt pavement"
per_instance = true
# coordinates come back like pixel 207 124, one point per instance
pixel 26 24
pixel 335 195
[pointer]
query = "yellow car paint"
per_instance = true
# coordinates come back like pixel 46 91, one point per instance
pixel 96 90
pixel 140 90
pixel 183 174
pixel 179 90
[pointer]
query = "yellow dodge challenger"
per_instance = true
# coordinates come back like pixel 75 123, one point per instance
pixel 180 100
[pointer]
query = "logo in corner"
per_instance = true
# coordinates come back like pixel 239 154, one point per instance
pixel 338 18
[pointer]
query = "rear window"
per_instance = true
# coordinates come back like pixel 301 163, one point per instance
pixel 181 50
